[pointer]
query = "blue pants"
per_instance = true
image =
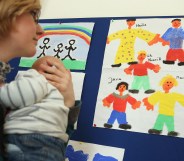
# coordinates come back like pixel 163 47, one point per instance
pixel 34 147
pixel 120 116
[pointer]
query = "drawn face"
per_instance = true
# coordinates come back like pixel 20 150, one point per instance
pixel 46 40
pixel 176 24
pixel 167 85
pixel 122 88
pixel 60 45
pixel 24 35
pixel 130 23
pixel 141 56
pixel 71 42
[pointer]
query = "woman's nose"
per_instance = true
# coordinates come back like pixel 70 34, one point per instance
pixel 39 30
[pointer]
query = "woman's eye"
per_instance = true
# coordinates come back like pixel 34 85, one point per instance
pixel 35 15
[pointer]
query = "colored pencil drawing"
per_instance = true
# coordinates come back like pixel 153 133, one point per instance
pixel 174 37
pixel 125 52
pixel 140 119
pixel 166 101
pixel 69 42
pixel 140 72
pixel 162 37
pixel 119 102
pixel 81 151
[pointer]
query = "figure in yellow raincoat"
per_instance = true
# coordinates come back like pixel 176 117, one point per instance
pixel 125 52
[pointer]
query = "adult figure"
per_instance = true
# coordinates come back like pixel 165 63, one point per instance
pixel 174 37
pixel 125 52
pixel 19 33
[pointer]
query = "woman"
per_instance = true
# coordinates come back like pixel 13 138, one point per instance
pixel 19 32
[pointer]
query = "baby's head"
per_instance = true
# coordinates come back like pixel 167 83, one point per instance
pixel 44 60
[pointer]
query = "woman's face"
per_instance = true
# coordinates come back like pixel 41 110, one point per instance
pixel 24 35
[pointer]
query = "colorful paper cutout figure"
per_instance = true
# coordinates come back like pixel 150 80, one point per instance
pixel 79 155
pixel 99 157
pixel 166 101
pixel 125 52
pixel 69 42
pixel 174 37
pixel 75 155
pixel 119 102
pixel 82 151
pixel 140 73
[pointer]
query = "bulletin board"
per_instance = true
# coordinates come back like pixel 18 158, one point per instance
pixel 138 146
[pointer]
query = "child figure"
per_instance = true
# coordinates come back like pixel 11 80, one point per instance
pixel 140 73
pixel 119 101
pixel 166 101
pixel 36 125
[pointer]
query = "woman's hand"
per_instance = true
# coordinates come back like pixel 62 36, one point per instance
pixel 61 78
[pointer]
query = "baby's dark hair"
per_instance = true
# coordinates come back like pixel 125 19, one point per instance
pixel 122 83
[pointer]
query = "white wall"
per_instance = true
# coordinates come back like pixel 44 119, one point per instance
pixel 110 8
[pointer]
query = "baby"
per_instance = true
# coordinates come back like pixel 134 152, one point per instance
pixel 38 118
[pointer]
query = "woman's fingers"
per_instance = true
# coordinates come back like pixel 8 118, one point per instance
pixel 56 65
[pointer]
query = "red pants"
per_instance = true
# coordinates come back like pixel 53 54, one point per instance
pixel 174 54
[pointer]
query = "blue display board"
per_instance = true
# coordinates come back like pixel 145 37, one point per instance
pixel 138 146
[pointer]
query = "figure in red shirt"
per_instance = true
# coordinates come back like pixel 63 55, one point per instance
pixel 119 102
pixel 140 72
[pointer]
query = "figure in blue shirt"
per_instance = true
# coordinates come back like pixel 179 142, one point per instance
pixel 174 37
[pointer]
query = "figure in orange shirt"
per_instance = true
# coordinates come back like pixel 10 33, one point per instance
pixel 140 72
pixel 119 101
